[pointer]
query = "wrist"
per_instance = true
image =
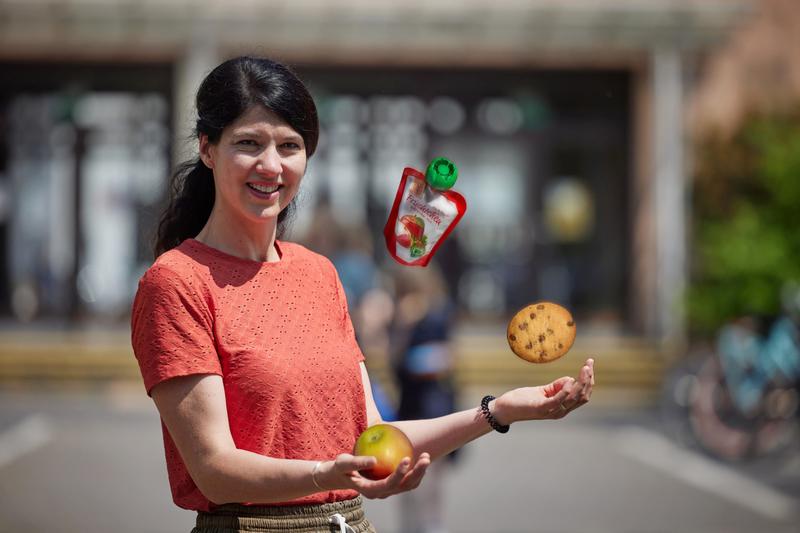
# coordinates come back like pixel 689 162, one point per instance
pixel 499 413
pixel 486 411
pixel 315 476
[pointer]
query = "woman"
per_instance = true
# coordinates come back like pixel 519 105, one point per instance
pixel 245 343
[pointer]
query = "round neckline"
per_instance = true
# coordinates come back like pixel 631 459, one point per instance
pixel 283 252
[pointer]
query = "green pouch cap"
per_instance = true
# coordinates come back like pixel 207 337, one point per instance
pixel 441 174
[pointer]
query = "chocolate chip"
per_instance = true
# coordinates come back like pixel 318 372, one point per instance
pixel 570 323
pixel 540 306
pixel 550 331
pixel 528 346
pixel 513 337
pixel 533 315
pixel 560 345
pixel 543 353
pixel 524 325
pixel 542 338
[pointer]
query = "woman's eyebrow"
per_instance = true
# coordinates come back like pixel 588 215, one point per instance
pixel 294 137
pixel 289 136
pixel 246 133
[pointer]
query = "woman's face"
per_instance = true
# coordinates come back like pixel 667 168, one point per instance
pixel 258 164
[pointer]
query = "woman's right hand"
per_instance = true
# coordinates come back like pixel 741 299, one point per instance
pixel 344 473
pixel 552 401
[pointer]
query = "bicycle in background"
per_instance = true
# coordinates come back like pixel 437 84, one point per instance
pixel 740 399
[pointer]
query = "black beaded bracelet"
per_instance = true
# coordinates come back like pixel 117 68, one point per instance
pixel 497 426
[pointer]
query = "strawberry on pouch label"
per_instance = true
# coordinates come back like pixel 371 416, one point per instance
pixel 424 212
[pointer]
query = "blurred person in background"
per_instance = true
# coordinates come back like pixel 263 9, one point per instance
pixel 245 342
pixel 423 363
pixel 370 305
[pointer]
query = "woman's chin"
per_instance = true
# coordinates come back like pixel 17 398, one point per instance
pixel 263 215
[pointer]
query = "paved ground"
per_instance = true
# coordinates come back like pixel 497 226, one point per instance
pixel 90 461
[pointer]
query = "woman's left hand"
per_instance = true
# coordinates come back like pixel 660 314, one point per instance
pixel 344 473
pixel 551 401
pixel 407 477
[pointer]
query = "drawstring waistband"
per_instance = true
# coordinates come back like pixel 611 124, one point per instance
pixel 338 520
pixel 338 517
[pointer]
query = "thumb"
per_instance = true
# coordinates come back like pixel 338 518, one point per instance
pixel 349 462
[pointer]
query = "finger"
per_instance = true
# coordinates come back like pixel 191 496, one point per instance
pixel 567 386
pixel 575 392
pixel 557 386
pixel 556 403
pixel 569 405
pixel 559 408
pixel 413 478
pixel 583 384
pixel 582 398
pixel 588 372
pixel 375 488
pixel 347 463
pixel 574 400
pixel 397 476
pixel 590 381
pixel 383 488
pixel 581 390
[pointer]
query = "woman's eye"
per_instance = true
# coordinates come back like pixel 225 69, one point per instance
pixel 291 145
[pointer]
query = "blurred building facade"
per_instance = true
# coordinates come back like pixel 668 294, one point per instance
pixel 566 120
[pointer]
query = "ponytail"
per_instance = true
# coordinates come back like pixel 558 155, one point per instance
pixel 191 198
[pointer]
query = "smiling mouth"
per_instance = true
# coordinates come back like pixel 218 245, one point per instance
pixel 264 189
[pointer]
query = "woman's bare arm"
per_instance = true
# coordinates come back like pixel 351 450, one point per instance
pixel 194 411
pixel 440 436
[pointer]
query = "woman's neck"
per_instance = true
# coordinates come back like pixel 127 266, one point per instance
pixel 246 241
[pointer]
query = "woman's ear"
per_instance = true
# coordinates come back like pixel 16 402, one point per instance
pixel 206 151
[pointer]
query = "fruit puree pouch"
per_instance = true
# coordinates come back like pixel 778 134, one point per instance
pixel 424 213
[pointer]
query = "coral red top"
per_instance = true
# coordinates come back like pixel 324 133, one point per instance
pixel 280 336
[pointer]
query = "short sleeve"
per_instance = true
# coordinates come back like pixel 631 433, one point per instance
pixel 172 328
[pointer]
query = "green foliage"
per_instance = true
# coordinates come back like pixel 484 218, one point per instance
pixel 746 230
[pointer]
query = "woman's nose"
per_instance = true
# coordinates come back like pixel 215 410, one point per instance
pixel 269 162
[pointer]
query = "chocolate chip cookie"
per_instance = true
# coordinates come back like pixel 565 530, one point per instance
pixel 541 332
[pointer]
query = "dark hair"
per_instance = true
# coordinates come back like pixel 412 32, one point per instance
pixel 224 95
